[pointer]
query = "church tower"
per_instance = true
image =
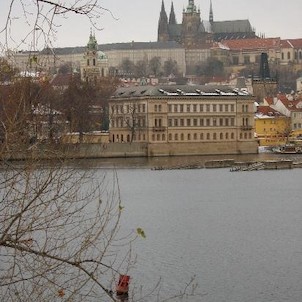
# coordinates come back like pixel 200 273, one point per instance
pixel 191 26
pixel 163 34
pixel 95 63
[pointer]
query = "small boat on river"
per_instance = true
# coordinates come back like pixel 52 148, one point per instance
pixel 288 149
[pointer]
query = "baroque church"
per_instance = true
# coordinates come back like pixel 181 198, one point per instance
pixel 94 64
pixel 194 32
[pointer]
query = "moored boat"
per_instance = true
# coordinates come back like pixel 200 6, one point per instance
pixel 288 149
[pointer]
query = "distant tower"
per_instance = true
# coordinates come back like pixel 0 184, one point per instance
pixel 172 18
pixel 264 68
pixel 163 34
pixel 191 25
pixel 264 86
pixel 95 63
pixel 211 15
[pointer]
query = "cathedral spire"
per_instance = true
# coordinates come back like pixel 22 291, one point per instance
pixel 172 18
pixel 163 24
pixel 211 16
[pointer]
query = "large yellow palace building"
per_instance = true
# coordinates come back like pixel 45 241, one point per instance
pixel 184 119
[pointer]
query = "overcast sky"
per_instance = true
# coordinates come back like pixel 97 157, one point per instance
pixel 137 20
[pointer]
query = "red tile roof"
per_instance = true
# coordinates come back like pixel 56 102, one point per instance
pixel 252 44
pixel 291 105
pixel 291 43
pixel 267 110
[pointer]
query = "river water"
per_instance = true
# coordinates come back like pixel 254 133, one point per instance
pixel 238 234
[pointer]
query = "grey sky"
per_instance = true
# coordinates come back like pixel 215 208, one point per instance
pixel 136 20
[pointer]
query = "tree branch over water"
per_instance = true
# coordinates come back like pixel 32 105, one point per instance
pixel 60 234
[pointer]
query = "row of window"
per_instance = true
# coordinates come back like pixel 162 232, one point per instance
pixel 128 108
pixel 297 55
pixel 200 108
pixel 178 122
pixel 121 138
pixel 172 108
pixel 182 137
pixel 202 122
pixel 288 56
pixel 297 125
pixel 121 122
pixel 199 137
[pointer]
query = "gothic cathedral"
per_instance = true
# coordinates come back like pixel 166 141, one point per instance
pixel 194 32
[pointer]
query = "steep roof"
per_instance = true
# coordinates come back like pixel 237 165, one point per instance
pixel 232 26
pixel 291 105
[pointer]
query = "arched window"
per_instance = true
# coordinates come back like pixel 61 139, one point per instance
pixel 221 135
pixel 288 55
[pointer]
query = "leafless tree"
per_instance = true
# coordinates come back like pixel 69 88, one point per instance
pixel 42 17
pixel 60 234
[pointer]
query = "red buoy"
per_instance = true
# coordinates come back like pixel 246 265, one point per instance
pixel 122 287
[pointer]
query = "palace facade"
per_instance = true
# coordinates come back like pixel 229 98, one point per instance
pixel 184 119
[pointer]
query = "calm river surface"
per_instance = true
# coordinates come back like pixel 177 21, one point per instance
pixel 239 234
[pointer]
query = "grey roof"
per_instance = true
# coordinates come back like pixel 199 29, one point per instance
pixel 236 26
pixel 115 46
pixel 176 90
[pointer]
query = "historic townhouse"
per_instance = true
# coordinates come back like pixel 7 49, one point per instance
pixel 271 126
pixel 290 106
pixel 291 51
pixel 183 119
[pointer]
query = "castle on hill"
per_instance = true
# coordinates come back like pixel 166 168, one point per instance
pixel 194 32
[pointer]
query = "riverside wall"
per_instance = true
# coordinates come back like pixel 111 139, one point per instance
pixel 202 148
pixel 119 150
